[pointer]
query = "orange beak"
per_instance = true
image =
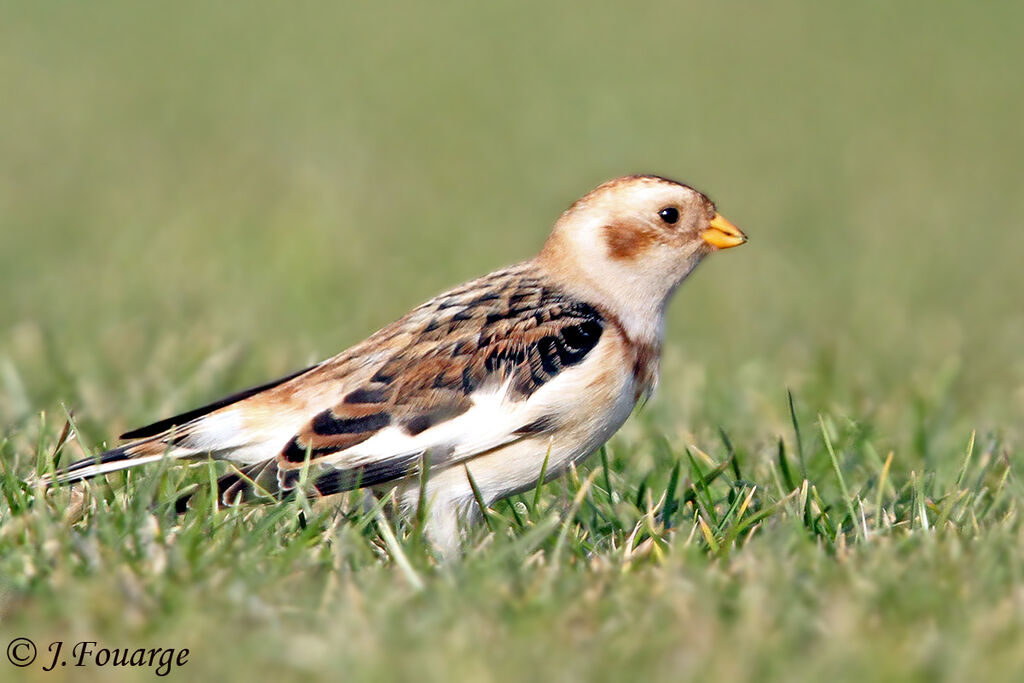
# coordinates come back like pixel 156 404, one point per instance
pixel 721 234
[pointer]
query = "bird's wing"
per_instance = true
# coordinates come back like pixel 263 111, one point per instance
pixel 458 383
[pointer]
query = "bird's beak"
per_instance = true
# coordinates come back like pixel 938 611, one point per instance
pixel 722 234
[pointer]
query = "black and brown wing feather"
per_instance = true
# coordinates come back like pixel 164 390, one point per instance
pixel 508 328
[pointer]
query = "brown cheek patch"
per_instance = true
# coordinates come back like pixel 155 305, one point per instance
pixel 626 242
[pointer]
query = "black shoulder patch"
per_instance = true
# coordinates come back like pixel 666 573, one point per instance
pixel 569 342
pixel 579 339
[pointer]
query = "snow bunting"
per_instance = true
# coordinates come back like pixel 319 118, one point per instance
pixel 532 366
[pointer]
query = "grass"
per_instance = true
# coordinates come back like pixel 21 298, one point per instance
pixel 199 199
pixel 826 559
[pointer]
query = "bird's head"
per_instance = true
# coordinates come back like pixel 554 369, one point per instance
pixel 633 240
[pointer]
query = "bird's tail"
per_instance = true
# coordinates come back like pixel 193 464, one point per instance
pixel 216 429
pixel 120 458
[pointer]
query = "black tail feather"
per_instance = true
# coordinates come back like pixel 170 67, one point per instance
pixel 66 475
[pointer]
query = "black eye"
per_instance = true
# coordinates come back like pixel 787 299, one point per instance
pixel 669 215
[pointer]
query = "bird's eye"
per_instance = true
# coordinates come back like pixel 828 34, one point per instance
pixel 670 215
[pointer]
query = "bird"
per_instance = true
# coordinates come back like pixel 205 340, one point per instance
pixel 475 395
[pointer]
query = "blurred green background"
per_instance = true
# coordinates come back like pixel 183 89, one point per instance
pixel 178 179
pixel 195 197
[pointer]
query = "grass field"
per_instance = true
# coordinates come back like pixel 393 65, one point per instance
pixel 195 198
